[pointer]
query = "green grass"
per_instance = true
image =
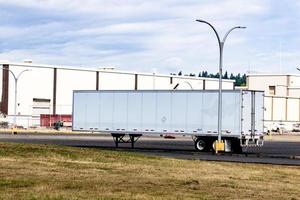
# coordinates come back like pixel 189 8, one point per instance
pixel 55 172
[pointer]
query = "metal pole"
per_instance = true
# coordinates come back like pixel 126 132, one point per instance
pixel 16 91
pixel 221 47
pixel 15 109
pixel 220 94
pixel 153 80
pixel 16 78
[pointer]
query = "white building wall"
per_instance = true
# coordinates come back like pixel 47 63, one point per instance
pixel 69 80
pixel 187 83
pixel 116 81
pixel 268 108
pixel 210 85
pixel 283 108
pixel 146 82
pixel 294 81
pixel 294 86
pixel 293 109
pixel 281 90
pixel 151 82
pixel 279 109
pixel 161 83
pixel 261 82
pixel 196 84
pixel 294 92
pixel 36 83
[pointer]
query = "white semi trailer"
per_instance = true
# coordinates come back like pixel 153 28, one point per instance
pixel 178 112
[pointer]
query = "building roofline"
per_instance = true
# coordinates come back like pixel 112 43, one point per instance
pixel 298 75
pixel 103 70
pixel 294 87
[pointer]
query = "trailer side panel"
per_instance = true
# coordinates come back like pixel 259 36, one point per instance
pixel 178 112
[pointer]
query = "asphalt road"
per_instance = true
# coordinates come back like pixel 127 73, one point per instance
pixel 284 150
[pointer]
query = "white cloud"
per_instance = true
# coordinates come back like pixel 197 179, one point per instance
pixel 141 35
pixel 175 8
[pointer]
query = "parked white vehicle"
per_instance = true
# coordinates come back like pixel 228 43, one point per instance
pixel 281 126
pixel 190 112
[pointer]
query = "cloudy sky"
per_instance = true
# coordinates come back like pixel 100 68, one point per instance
pixel 159 35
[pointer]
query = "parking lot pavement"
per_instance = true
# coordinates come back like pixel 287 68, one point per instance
pixel 291 137
pixel 278 149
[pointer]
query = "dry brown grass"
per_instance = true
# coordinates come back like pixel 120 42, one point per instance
pixel 55 172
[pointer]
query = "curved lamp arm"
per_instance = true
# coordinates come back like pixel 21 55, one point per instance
pixel 10 72
pixel 26 70
pixel 225 36
pixel 16 77
pixel 218 37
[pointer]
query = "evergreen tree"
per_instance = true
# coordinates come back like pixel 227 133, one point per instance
pixel 244 80
pixel 217 75
pixel 225 75
pixel 240 79
pixel 205 74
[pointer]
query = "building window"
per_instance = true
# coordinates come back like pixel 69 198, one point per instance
pixel 272 90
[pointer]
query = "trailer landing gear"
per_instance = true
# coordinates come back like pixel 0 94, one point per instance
pixel 119 138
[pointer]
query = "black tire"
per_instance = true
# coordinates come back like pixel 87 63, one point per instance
pixel 200 144
pixel 203 144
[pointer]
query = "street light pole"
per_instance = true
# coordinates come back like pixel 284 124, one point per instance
pixel 221 47
pixel 16 78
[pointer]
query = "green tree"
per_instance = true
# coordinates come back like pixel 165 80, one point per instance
pixel 225 76
pixel 240 79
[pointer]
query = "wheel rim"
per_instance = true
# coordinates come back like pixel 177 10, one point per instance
pixel 200 145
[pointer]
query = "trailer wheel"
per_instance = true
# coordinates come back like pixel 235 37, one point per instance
pixel 200 144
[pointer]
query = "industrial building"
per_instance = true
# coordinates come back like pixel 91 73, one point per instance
pixel 48 89
pixel 281 101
